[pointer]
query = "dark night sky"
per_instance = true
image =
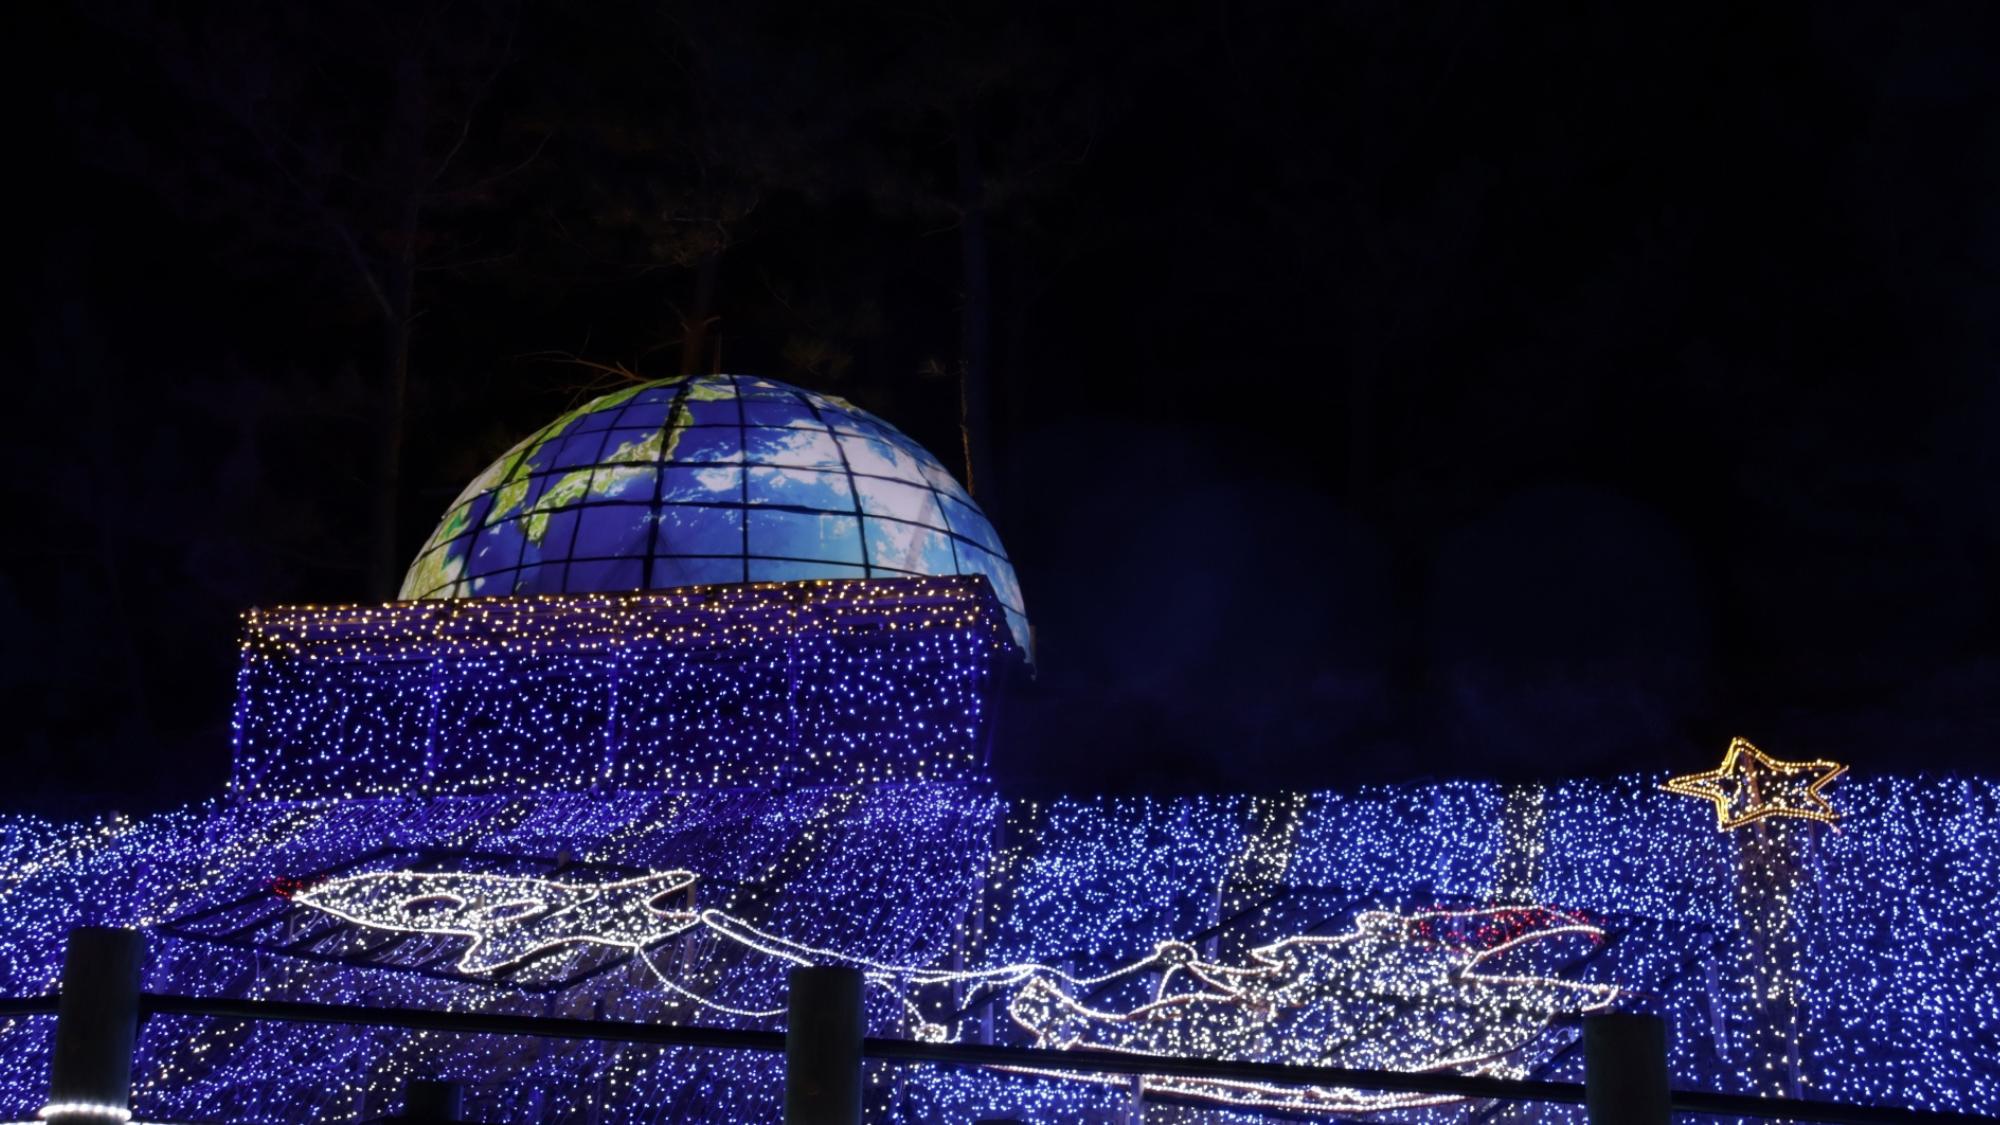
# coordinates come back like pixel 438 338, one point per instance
pixel 1377 390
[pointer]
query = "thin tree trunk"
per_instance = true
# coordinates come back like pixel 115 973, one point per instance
pixel 696 356
pixel 975 319
pixel 385 562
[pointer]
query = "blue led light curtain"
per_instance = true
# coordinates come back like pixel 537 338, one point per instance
pixel 815 682
pixel 1893 970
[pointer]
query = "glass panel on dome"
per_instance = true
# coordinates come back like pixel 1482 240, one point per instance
pixel 613 531
pixel 792 570
pixel 455 524
pixel 831 416
pixel 594 421
pixel 665 392
pixel 431 573
pixel 622 482
pixel 607 411
pixel 592 575
pixel 700 444
pixel 710 412
pixel 972 560
pixel 572 451
pixel 853 424
pixel 671 572
pixel 630 446
pixel 750 386
pixel 539 580
pixel 903 501
pixel 967 522
pixel 802 535
pixel 688 530
pixel 941 478
pixel 476 511
pixel 522 495
pixel 494 549
pixel 906 546
pixel 800 449
pixel 1017 623
pixel 801 488
pixel 546 535
pixel 777 412
pixel 879 457
pixel 710 484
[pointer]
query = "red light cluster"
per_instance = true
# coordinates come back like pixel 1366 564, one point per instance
pixel 285 886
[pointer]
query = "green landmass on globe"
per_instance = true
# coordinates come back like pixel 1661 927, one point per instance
pixel 703 479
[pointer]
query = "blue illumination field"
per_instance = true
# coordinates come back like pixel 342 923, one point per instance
pixel 1892 958
pixel 803 683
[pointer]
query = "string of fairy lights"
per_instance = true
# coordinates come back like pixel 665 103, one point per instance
pixel 1428 970
pixel 817 682
pixel 1862 965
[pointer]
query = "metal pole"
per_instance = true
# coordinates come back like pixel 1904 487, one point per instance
pixel 1625 1069
pixel 823 1029
pixel 97 1020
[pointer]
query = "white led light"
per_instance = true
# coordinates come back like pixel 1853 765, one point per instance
pixel 101 1110
pixel 1337 985
pixel 509 918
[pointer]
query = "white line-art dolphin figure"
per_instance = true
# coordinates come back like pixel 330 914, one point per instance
pixel 508 917
pixel 1423 991
pixel 1407 992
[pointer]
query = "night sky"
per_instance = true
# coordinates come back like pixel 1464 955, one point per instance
pixel 1365 391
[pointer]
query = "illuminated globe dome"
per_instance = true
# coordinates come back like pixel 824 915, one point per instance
pixel 709 479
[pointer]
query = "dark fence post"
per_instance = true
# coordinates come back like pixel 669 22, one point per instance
pixel 823 1029
pixel 97 1020
pixel 1625 1069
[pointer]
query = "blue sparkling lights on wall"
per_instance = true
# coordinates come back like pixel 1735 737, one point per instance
pixel 810 682
pixel 1879 944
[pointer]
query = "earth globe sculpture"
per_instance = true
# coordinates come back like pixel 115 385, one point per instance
pixel 698 480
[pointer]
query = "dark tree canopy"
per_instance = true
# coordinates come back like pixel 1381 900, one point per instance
pixel 1363 390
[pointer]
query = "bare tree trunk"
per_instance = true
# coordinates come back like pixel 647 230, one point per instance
pixel 696 356
pixel 975 319
pixel 385 559
pixel 398 289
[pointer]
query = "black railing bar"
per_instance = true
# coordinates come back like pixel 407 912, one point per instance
pixel 477 1023
pixel 28 1005
pixel 1020 1058
pixel 1832 1113
pixel 959 1054
pixel 1168 1066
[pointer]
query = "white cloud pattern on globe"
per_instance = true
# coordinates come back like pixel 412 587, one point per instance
pixel 710 479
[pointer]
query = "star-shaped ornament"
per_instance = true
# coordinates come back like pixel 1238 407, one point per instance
pixel 1751 785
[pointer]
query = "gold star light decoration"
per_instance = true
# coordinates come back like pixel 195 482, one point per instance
pixel 1750 785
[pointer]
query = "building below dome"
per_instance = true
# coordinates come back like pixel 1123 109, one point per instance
pixel 697 480
pixel 763 684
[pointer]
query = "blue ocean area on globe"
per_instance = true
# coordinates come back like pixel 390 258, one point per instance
pixel 699 480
